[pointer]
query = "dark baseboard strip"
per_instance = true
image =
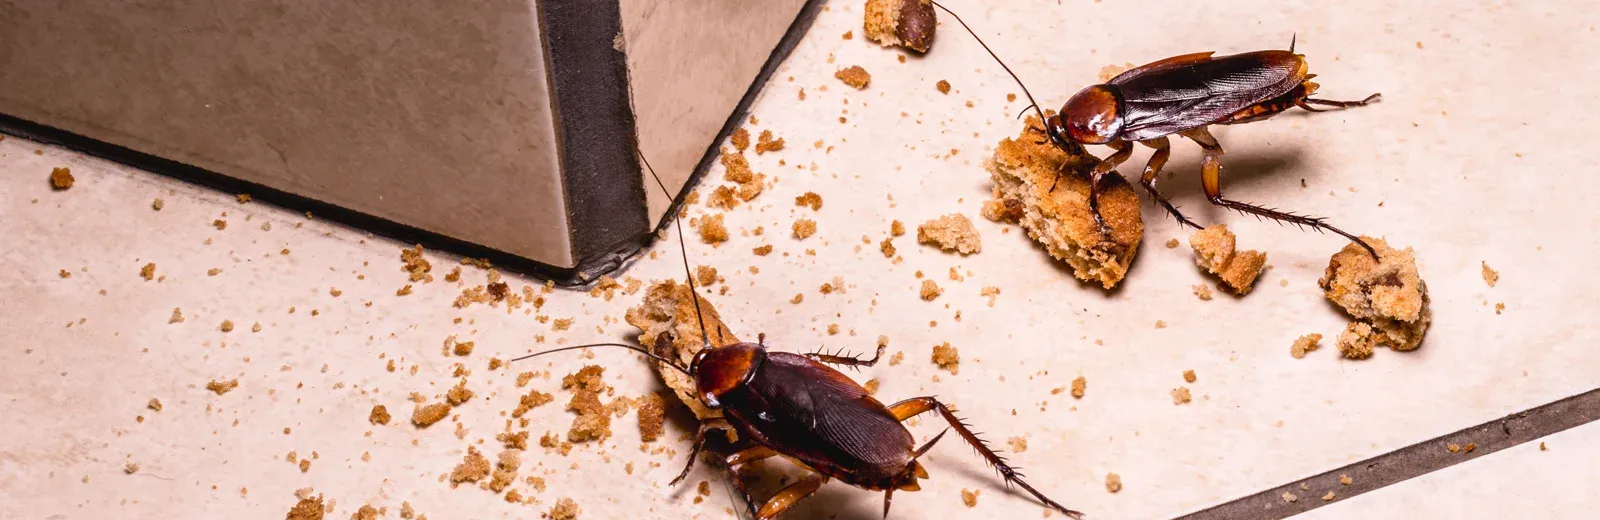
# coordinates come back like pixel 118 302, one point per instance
pixel 1410 462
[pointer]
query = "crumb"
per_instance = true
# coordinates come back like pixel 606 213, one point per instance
pixel 969 497
pixel 652 416
pixel 1499 308
pixel 809 199
pixel 366 512
pixel 1078 386
pixel 256 327
pixel 1203 292
pixel 1470 446
pixel 1289 497
pixel 403 290
pixel 1304 344
pixel 130 468
pixel 1113 482
pixel 953 232
pixel 1453 447
pixel 1345 480
pixel 1018 444
pixel 227 326
pixel 1490 276
pixel 219 224
pixel 1188 376
pixel 177 316
pixel 872 386
pixel 740 139
pixel 943 86
pixel 593 421
pixel 947 358
pixel 706 275
pixel 711 229
pixel 1387 298
pixel 473 467
pixel 763 250
pixel 897 358
pixel 855 76
pixel 765 143
pixel 425 416
pixel 1214 251
pixel 148 271
pixel 887 247
pixel 897 228
pixel 1172 243
pixel 1328 497
pixel 990 292
pixel 157 204
pixel 804 228
pixel 222 387
pixel 61 178
pixel 561 324
pixel 798 297
pixel 565 509
pixel 1180 395
pixel 1542 447
pixel 309 508
pixel 900 23
pixel 154 404
pixel 1111 71
pixel 458 394
pixel 930 290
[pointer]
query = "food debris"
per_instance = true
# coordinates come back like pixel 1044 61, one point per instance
pixel 1346 480
pixel 854 76
pixel 1328 497
pixel 130 468
pixel 765 143
pixel 947 357
pixel 930 290
pixel 706 275
pixel 1290 497
pixel 1180 395
pixel 953 232
pixel 1203 292
pixel 872 386
pixel 969 497
pixel 565 509
pixel 379 415
pixel 1018 444
pixel 1453 447
pixel 177 316
pixel 1172 243
pixel 1490 276
pixel 1214 251
pixel 909 24
pixel 412 261
pixel 652 416
pixel 1387 298
pixel 1113 482
pixel 1078 386
pixel 887 247
pixel 308 508
pixel 154 404
pixel 425 416
pixel 740 139
pixel 157 204
pixel 227 326
pixel 458 394
pixel 222 387
pixel 61 178
pixel 943 86
pixel 473 467
pixel 804 228
pixel 1304 344
pixel 762 250
pixel 1188 376
pixel 593 421
pixel 148 271
pixel 809 199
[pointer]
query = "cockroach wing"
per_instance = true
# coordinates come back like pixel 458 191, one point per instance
pixel 818 416
pixel 1194 90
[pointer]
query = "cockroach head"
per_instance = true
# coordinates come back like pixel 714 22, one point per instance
pixel 718 371
pixel 1093 115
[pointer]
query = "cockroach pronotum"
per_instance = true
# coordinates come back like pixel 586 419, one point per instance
pixel 797 407
pixel 1183 95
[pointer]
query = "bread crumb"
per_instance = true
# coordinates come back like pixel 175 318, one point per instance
pixel 565 509
pixel 1387 298
pixel 154 404
pixel 148 271
pixel 561 324
pixel 763 250
pixel 157 204
pixel 411 261
pixel 130 468
pixel 1289 497
pixel 1453 447
pixel 1018 444
pixel 425 416
pixel 308 508
pixel 854 76
pixel 1471 446
pixel 809 199
pixel 403 290
pixel 887 247
pixel 1214 251
pixel 1328 497
pixel 61 178
pixel 1113 482
pixel 1542 447
pixel 947 358
pixel 872 386
pixel 1304 344
pixel 1078 386
pixel 219 224
pixel 706 275
pixel 1180 395
pixel 969 497
pixel 593 421
pixel 1172 243
pixel 1499 307
pixel 652 416
pixel 379 415
pixel 1161 324
pixel 458 394
pixel 804 228
pixel 953 232
pixel 222 387
pixel 943 86
pixel 740 138
pixel 227 326
pixel 765 143
pixel 256 327
pixel 897 228
pixel 1188 376
pixel 1490 276
pixel 897 22
pixel 930 290
pixel 473 467
pixel 366 512
pixel 177 316
pixel 1203 292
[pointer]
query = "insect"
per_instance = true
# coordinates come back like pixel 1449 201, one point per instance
pixel 797 407
pixel 1184 95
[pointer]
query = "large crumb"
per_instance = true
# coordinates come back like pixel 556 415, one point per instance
pixel 379 415
pixel 740 139
pixel 652 416
pixel 473 467
pixel 309 508
pixel 593 421
pixel 1113 482
pixel 412 261
pixel 1025 170
pixel 930 290
pixel 907 23
pixel 766 143
pixel 943 86
pixel 947 357
pixel 1490 276
pixel 809 199
pixel 565 509
pixel 1387 298
pixel 1304 344
pixel 953 232
pixel 1214 251
pixel 424 416
pixel 222 387
pixel 855 76
pixel 711 229
pixel 61 178
pixel 671 327
pixel 804 228
pixel 148 272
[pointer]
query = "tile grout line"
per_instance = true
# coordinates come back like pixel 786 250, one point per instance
pixel 1409 462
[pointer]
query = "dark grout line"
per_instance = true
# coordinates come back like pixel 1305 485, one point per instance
pixel 1410 462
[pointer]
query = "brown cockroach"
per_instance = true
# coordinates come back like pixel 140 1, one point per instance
pixel 1184 95
pixel 797 407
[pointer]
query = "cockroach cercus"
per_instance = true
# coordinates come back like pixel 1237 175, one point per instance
pixel 797 407
pixel 1184 95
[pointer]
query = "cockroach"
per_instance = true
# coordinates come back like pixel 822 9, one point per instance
pixel 1184 95
pixel 797 407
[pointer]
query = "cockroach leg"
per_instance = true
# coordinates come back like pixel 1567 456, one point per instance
pixel 848 361
pixel 912 407
pixel 791 495
pixel 1211 181
pixel 1338 104
pixel 1108 165
pixel 736 463
pixel 1158 160
pixel 706 426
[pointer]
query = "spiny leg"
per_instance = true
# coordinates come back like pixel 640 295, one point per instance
pixel 1302 103
pixel 1211 181
pixel 736 464
pixel 789 496
pixel 1163 149
pixel 848 361
pixel 911 407
pixel 699 441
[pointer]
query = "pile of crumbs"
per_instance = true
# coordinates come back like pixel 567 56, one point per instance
pixel 593 421
pixel 413 263
pixel 308 508
pixel 953 232
pixel 1386 296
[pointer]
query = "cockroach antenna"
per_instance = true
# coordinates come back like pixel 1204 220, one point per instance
pixel 652 355
pixel 1032 103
